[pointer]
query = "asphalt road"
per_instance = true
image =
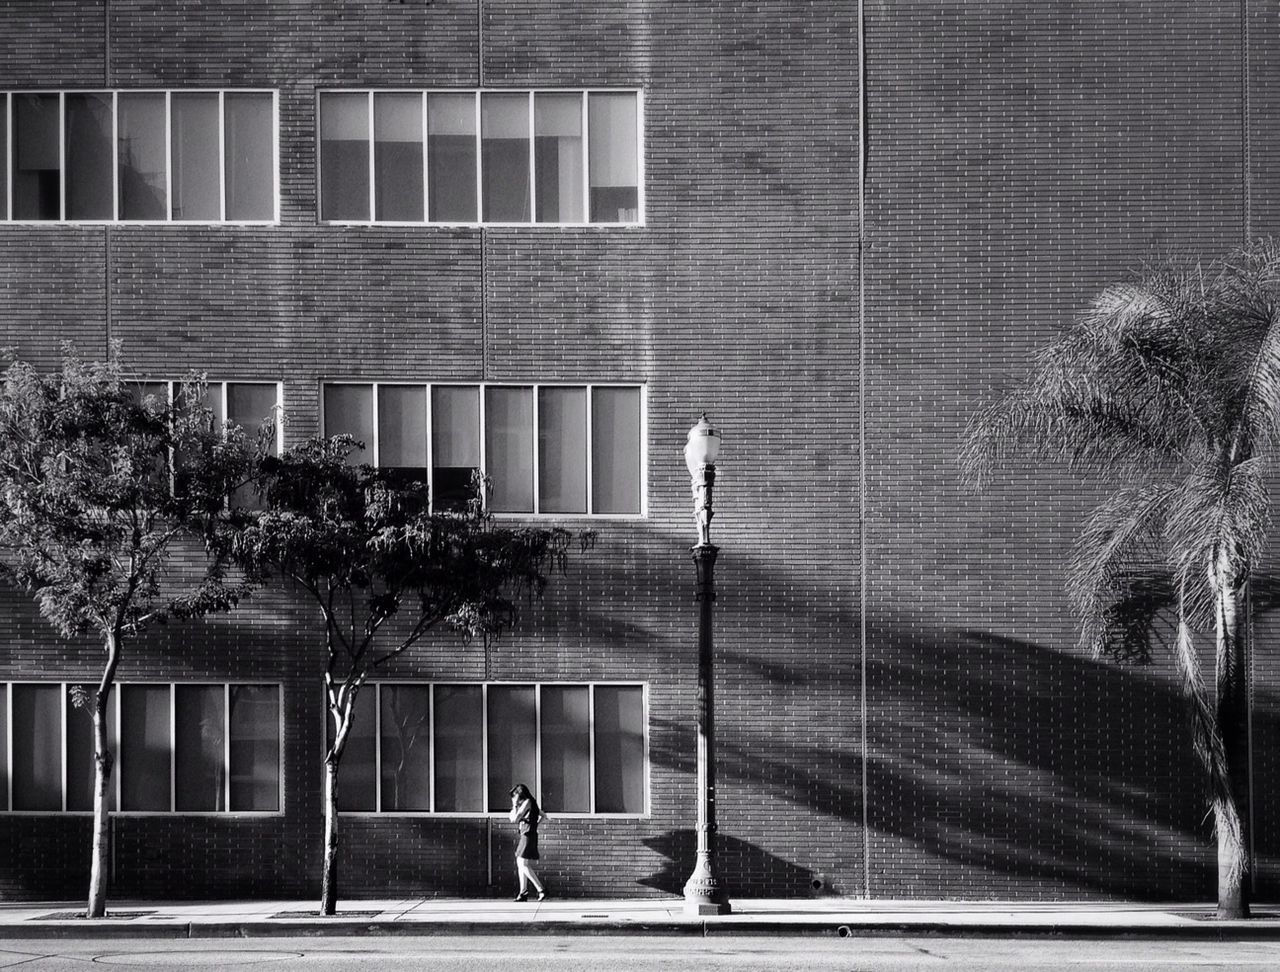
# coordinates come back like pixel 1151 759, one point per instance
pixel 632 954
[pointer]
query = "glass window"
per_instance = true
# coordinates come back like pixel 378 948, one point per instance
pixel 37 747
pixel 195 153
pixel 254 727
pixel 80 763
pixel 348 410
pixel 406 747
pixel 451 157
pixel 358 773
pixel 615 450
pixel 566 748
pixel 90 175
pixel 562 450
pixel 459 734
pixel 4 746
pixel 397 157
pixel 557 147
pixel 344 156
pixel 402 426
pixel 4 195
pixel 250 156
pixel 455 444
pixel 199 747
pixel 614 162
pixel 619 726
pixel 508 438
pixel 37 163
pixel 250 404
pixel 144 747
pixel 504 130
pixel 142 141
pixel 513 741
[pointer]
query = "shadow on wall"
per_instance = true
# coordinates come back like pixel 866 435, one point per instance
pixel 734 856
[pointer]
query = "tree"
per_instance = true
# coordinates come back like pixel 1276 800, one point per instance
pixel 1168 389
pixel 382 570
pixel 91 509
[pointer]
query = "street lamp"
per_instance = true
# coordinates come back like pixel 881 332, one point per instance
pixel 703 894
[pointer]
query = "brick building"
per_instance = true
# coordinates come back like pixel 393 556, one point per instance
pixel 541 237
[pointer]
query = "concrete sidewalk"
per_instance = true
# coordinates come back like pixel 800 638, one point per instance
pixel 433 916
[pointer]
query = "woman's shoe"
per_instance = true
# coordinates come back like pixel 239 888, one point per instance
pixel 542 895
pixel 522 896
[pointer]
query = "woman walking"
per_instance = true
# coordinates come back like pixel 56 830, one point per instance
pixel 526 813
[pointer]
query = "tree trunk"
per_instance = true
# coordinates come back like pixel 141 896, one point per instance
pixel 329 880
pixel 102 762
pixel 1231 809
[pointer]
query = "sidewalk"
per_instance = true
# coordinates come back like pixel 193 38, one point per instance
pixel 828 916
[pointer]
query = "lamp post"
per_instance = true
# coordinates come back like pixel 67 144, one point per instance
pixel 703 894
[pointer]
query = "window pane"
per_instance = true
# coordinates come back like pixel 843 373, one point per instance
pixel 358 772
pixel 249 404
pixel 459 757
pixel 37 747
pixel 255 747
pixel 402 425
pixel 194 124
pixel 397 156
pixel 348 410
pixel 615 450
pixel 199 744
pixel 80 765
pixel 144 747
pixel 90 192
pixel 619 749
pixel 37 193
pixel 451 157
pixel 566 749
pixel 562 450
pixel 142 156
pixel 508 439
pixel 513 734
pixel 455 444
pixel 250 156
pixel 615 195
pixel 4 743
pixel 504 130
pixel 4 197
pixel 406 747
pixel 557 147
pixel 344 156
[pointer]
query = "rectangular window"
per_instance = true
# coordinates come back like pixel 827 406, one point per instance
pixel 561 157
pixel 459 748
pixel 358 775
pixel 189 748
pixel 4 181
pixel 548 449
pixel 614 161
pixel 140 156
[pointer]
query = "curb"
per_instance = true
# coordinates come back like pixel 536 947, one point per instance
pixel 1198 930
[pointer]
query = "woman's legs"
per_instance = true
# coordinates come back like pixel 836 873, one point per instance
pixel 525 869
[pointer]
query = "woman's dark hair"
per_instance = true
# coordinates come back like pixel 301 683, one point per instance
pixel 522 792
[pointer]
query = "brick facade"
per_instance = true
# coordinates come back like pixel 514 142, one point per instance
pixel 1019 156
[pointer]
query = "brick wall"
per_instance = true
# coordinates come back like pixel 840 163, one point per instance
pixel 1020 156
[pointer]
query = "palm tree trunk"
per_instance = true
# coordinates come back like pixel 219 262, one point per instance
pixel 1232 704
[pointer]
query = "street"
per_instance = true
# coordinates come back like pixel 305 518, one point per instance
pixel 634 954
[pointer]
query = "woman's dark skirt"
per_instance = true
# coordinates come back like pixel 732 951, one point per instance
pixel 528 847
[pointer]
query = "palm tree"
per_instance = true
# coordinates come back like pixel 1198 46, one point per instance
pixel 1169 391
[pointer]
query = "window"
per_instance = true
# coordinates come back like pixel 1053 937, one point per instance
pixel 549 449
pixel 138 156
pixel 180 748
pixel 458 748
pixel 247 404
pixel 506 157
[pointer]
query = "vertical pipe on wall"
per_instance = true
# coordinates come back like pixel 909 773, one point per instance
pixel 862 437
pixel 106 230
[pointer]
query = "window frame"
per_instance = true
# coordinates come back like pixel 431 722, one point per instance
pixel 642 388
pixel 117 771
pixel 479 221
pixel 7 163
pixel 484 764
pixel 221 384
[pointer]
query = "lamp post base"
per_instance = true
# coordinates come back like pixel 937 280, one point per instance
pixel 703 894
